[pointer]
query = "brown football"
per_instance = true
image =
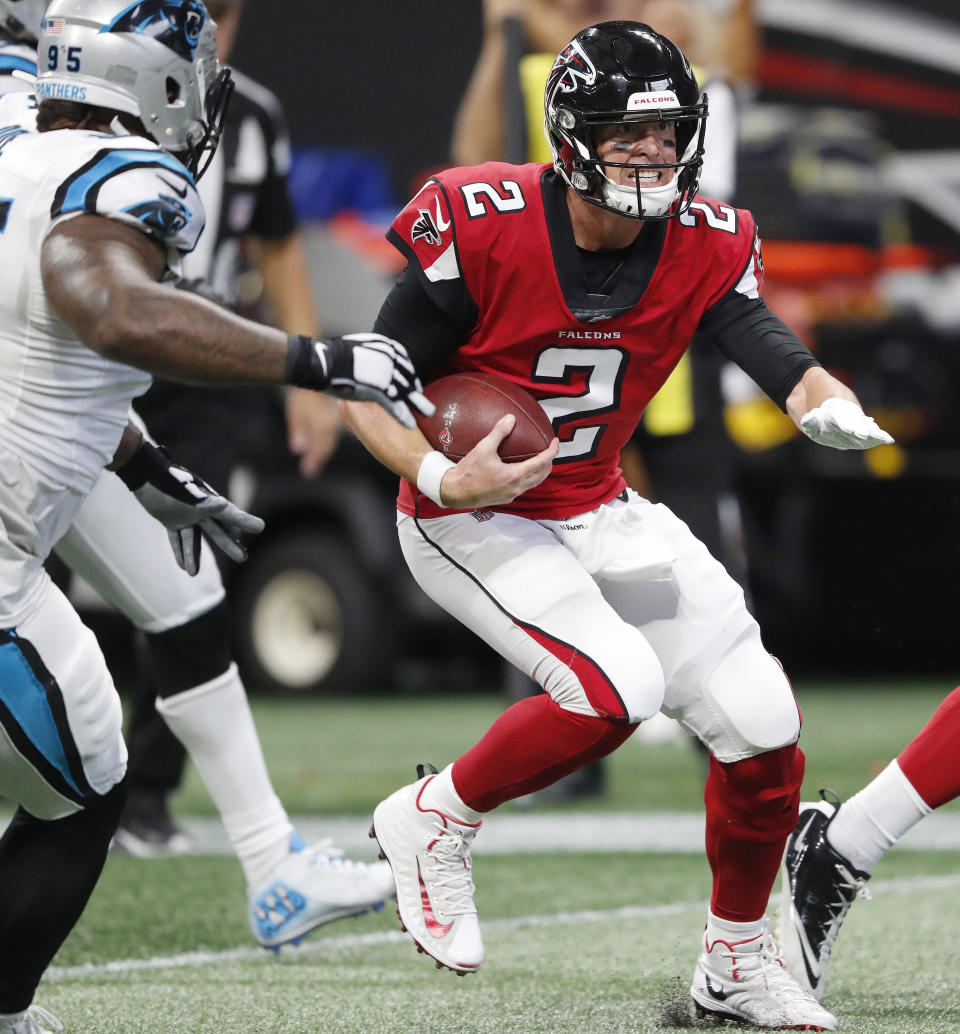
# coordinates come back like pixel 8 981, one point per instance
pixel 469 404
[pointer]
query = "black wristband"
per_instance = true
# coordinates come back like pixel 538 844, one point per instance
pixel 148 461
pixel 304 367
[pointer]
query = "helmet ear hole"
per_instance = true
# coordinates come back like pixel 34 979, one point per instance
pixel 173 90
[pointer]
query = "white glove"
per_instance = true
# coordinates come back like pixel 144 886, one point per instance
pixel 842 424
pixel 364 367
pixel 186 506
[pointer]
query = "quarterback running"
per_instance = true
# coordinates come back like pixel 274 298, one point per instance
pixel 584 281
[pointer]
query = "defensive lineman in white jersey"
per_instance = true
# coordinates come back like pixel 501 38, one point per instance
pixel 94 217
pixel 120 549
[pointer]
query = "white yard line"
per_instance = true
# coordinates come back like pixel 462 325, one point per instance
pixel 517 832
pixel 120 967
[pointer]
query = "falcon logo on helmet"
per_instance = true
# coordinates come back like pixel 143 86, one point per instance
pixel 571 68
pixel 174 24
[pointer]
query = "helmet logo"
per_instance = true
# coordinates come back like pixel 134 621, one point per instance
pixel 176 24
pixel 571 68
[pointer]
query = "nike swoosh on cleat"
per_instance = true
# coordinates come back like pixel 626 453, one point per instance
pixel 810 960
pixel 715 992
pixel 434 926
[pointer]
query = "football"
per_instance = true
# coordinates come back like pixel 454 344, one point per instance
pixel 469 404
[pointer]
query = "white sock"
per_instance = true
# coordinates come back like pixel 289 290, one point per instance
pixel 214 723
pixel 873 820
pixel 733 933
pixel 440 794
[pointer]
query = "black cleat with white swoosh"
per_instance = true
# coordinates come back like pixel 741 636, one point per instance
pixel 818 887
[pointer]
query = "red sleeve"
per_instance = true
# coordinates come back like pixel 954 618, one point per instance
pixel 425 233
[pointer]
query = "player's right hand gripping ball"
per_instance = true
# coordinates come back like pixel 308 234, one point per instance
pixel 469 404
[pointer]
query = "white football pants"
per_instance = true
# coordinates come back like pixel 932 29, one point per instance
pixel 620 612
pixel 60 719
pixel 125 554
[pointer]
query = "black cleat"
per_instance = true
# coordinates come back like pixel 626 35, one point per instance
pixel 818 887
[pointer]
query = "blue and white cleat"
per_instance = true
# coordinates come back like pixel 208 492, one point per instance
pixel 313 886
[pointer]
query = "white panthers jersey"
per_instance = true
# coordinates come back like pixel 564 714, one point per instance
pixel 16 58
pixel 63 407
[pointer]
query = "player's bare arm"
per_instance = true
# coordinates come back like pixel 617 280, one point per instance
pixel 480 479
pixel 104 281
pixel 812 390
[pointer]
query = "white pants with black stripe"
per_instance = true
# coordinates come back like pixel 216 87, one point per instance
pixel 619 612
pixel 60 716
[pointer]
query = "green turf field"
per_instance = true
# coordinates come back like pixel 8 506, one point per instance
pixel 575 943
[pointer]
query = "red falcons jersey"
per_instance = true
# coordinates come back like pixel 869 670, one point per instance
pixel 496 253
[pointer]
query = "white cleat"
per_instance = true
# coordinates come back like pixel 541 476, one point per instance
pixel 747 981
pixel 430 856
pixel 312 886
pixel 34 1020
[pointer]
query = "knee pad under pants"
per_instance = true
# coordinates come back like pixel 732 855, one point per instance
pixel 745 705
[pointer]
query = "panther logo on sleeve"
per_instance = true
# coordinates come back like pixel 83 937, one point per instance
pixel 174 24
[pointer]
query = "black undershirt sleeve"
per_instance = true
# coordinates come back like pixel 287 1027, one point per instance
pixel 412 317
pixel 759 342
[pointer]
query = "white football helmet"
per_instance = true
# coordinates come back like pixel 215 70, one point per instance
pixel 20 19
pixel 156 60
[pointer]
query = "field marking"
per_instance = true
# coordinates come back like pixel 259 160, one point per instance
pixel 519 832
pixel 120 967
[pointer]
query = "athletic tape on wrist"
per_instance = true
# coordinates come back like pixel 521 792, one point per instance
pixel 432 468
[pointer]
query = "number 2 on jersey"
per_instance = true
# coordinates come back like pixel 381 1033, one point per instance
pixel 602 370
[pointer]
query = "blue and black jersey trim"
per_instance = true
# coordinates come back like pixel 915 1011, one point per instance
pixel 9 63
pixel 80 192
pixel 34 717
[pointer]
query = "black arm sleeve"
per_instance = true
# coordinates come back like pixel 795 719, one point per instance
pixel 412 317
pixel 759 342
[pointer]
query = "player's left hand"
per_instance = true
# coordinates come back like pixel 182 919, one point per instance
pixel 842 424
pixel 187 506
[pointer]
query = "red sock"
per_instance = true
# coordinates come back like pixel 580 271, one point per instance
pixel 531 745
pixel 930 760
pixel 752 806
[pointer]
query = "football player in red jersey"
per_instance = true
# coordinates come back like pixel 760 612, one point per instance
pixel 584 282
pixel 834 847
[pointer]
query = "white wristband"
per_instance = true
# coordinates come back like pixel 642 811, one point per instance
pixel 432 468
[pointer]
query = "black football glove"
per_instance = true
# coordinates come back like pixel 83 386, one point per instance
pixel 365 367
pixel 186 506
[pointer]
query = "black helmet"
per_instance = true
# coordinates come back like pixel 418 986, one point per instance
pixel 618 72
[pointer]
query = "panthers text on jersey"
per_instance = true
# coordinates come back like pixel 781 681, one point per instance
pixel 487 247
pixel 62 406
